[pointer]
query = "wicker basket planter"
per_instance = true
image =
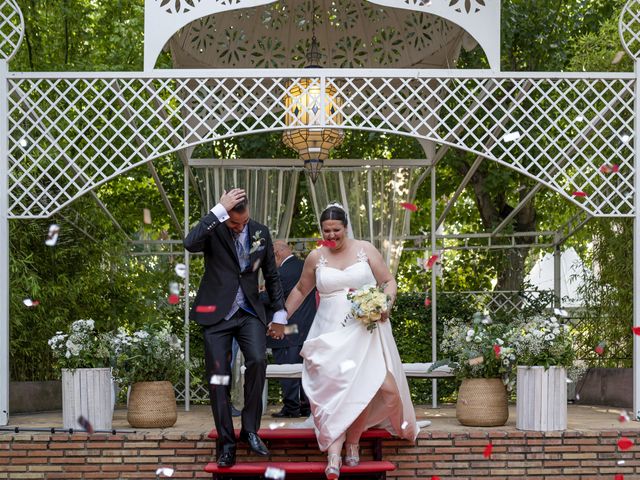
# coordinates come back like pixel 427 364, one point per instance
pixel 541 401
pixel 152 405
pixel 482 402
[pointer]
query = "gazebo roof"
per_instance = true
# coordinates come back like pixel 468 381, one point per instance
pixel 351 34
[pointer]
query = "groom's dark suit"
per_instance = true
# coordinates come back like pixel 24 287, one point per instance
pixel 218 288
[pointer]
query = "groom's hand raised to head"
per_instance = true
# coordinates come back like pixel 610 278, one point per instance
pixel 231 198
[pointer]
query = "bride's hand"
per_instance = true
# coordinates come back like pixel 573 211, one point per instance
pixel 384 316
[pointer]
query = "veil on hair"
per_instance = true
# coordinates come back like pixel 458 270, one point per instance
pixel 339 205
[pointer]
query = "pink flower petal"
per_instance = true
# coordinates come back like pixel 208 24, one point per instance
pixel 615 168
pixel 409 206
pixel 487 451
pixel 432 260
pixel 327 243
pixel 600 348
pixel 174 299
pixel 605 168
pixel 623 417
pixel 625 443
pixel 618 476
pixel 579 193
pixel 427 302
pixel 206 308
pixel 635 330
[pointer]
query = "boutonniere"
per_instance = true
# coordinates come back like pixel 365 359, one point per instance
pixel 258 242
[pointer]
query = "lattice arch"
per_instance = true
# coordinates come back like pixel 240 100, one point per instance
pixel 69 134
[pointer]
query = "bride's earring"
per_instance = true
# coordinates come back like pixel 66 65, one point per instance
pixel 334 462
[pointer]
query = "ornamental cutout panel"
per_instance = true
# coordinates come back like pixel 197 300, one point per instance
pixel 353 33
pixel 571 133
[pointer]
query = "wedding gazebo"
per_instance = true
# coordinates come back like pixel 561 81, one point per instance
pixel 389 68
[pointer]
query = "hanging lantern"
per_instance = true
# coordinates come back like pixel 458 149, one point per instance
pixel 304 106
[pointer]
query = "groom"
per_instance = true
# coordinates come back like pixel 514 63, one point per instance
pixel 227 306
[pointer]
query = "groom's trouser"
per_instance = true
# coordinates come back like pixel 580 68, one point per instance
pixel 250 333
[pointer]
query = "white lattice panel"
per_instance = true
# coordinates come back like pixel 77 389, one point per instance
pixel 509 302
pixel 70 134
pixel 11 28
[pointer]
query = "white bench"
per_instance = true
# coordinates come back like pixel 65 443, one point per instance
pixel 413 370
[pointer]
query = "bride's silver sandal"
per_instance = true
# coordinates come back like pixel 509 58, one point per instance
pixel 352 454
pixel 334 462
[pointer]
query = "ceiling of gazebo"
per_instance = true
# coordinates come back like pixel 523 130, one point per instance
pixel 351 33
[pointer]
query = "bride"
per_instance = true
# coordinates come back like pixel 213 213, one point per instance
pixel 353 377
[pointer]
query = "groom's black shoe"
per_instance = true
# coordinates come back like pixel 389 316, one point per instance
pixel 286 414
pixel 227 459
pixel 255 443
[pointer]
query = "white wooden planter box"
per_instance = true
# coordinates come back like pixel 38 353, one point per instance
pixel 87 392
pixel 541 399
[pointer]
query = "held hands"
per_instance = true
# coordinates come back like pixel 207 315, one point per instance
pixel 275 330
pixel 231 198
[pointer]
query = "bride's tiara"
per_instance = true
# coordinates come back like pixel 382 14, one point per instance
pixel 336 205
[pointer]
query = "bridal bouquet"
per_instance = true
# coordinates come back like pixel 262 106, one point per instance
pixel 368 304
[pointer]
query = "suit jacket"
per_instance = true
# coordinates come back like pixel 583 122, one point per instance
pixel 290 272
pixel 222 274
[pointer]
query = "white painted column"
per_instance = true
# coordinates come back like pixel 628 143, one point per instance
pixel 4 246
pixel 636 251
pixel 434 278
pixel 187 258
pixel 557 276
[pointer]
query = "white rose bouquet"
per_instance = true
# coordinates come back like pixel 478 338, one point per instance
pixel 82 347
pixel 368 303
pixel 542 341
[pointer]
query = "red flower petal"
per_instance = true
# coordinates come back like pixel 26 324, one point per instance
pixel 435 477
pixel 409 206
pixel 487 451
pixel 579 193
pixel 327 243
pixel 427 302
pixel 432 260
pixel 599 349
pixel 497 349
pixel 618 476
pixel 615 168
pixel 623 417
pixel 625 443
pixel 605 168
pixel 173 299
pixel 636 330
pixel 206 308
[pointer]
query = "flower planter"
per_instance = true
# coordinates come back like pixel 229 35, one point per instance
pixel 152 405
pixel 482 402
pixel 541 401
pixel 88 393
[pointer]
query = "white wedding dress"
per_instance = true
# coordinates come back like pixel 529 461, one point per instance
pixel 345 364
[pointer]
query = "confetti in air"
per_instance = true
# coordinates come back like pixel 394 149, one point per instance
pixel 620 462
pixel 291 329
pixel 625 443
pixel 435 477
pixel 617 58
pixel 605 168
pixel 181 270
pixel 274 473
pixel 273 426
pixel 327 243
pixel 219 380
pixel 432 260
pixel 497 349
pixel 623 417
pixel 579 193
pixel 86 424
pixel 30 303
pixel 404 425
pixel 635 330
pixel 600 348
pixel 146 216
pixel 618 476
pixel 409 206
pixel 487 451
pixel 173 299
pixel 164 472
pixel 174 293
pixel 615 168
pixel 347 365
pixel 206 308
pixel 427 301
pixel 511 137
pixel 52 236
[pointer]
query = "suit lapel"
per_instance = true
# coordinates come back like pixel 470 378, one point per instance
pixel 228 240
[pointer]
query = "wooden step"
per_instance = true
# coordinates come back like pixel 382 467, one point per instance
pixel 302 434
pixel 298 468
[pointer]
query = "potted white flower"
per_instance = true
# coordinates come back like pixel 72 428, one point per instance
pixel 480 358
pixel 84 357
pixel 544 350
pixel 149 360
